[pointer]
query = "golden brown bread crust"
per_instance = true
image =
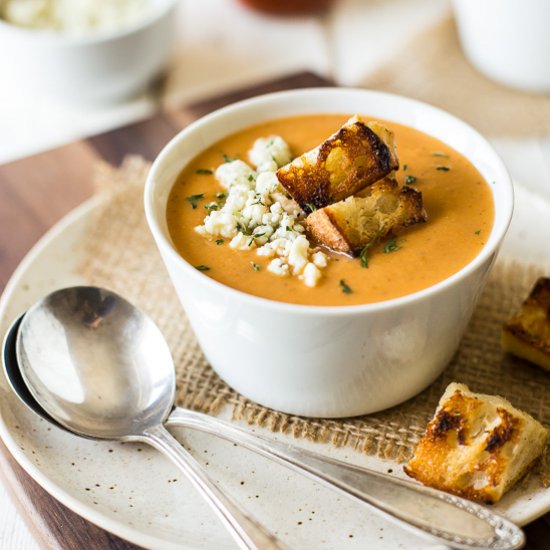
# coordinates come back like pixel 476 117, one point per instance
pixel 476 446
pixel 527 334
pixel 350 225
pixel 357 155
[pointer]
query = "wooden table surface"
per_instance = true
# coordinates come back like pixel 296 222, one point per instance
pixel 34 194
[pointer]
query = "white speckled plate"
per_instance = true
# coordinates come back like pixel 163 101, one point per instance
pixel 134 492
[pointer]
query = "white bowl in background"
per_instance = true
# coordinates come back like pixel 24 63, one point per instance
pixel 507 40
pixel 327 361
pixel 101 66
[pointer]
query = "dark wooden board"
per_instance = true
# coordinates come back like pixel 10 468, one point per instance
pixel 36 192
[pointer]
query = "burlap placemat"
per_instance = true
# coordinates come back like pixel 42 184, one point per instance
pixel 433 68
pixel 119 253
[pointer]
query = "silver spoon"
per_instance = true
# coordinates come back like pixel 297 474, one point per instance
pixel 448 518
pixel 102 369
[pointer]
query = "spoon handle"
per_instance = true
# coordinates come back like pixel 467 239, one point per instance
pixel 452 520
pixel 246 532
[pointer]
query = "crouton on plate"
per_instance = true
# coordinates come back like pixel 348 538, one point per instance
pixel 527 334
pixel 350 225
pixel 356 156
pixel 476 446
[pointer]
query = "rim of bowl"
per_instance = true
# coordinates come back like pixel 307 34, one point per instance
pixel 158 10
pixel 490 247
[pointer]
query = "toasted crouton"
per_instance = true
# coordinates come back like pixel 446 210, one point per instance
pixel 476 446
pixel 357 155
pixel 350 225
pixel 527 334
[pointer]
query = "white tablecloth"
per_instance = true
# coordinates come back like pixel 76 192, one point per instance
pixel 222 45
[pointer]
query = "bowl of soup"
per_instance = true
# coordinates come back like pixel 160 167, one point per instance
pixel 370 331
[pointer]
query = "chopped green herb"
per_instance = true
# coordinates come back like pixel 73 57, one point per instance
pixel 255 266
pixel 410 179
pixel 311 206
pixel 212 206
pixel 202 267
pixel 250 177
pixel 391 246
pixel 442 168
pixel 243 229
pixel 221 195
pixel 255 236
pixel 219 241
pixel 363 256
pixel 440 154
pixel 227 158
pixel 405 167
pixel 193 199
pixel 477 232
pixel 345 288
pixel 204 171
pixel 274 159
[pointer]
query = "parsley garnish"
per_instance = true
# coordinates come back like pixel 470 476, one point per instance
pixel 255 236
pixel 391 246
pixel 204 171
pixel 410 180
pixel 227 158
pixel 363 256
pixel 219 241
pixel 442 168
pixel 202 267
pixel 345 288
pixel 440 154
pixel 193 199
pixel 311 206
pixel 212 206
pixel 243 229
pixel 255 266
pixel 250 177
pixel 221 195
pixel 477 232
pixel 405 167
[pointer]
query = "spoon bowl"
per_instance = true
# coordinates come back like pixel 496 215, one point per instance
pixel 96 363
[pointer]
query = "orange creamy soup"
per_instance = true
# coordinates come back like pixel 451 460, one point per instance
pixel 457 200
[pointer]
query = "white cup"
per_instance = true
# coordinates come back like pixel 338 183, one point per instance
pixel 507 40
pixel 327 361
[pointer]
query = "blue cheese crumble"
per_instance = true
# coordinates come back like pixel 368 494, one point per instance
pixel 259 214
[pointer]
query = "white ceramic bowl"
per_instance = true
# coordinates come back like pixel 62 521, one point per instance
pixel 327 361
pixel 507 40
pixel 98 67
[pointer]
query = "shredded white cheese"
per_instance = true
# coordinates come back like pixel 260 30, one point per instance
pixel 75 17
pixel 258 214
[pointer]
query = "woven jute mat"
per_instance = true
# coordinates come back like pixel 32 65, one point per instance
pixel 119 253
